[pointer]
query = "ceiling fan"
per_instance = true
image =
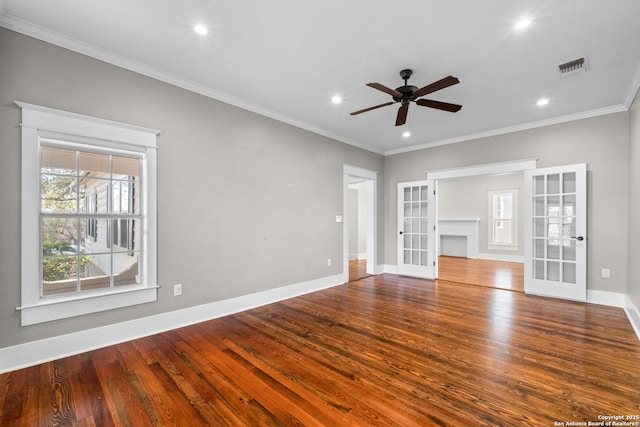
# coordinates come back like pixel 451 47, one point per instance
pixel 406 94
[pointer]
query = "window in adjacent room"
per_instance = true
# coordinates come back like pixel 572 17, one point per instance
pixel 89 214
pixel 503 219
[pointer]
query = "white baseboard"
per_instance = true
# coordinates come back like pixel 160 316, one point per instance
pixel 389 268
pixel 612 299
pixel 633 313
pixel 502 257
pixel 33 353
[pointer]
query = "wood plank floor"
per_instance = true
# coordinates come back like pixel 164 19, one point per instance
pixel 381 351
pixel 358 269
pixel 482 272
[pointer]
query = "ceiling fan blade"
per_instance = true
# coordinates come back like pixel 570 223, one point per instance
pixel 435 86
pixel 402 114
pixel 439 105
pixel 372 108
pixel 385 89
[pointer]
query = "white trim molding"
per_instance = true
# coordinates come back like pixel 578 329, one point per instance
pixel 633 313
pixel 35 352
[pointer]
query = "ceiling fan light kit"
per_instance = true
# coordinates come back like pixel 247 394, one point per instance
pixel 407 93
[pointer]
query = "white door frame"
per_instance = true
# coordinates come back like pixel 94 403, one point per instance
pixel 371 178
pixel 477 170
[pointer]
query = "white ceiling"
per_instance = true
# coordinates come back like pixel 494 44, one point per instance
pixel 287 58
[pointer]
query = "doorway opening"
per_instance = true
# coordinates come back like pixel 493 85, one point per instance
pixel 359 223
pixel 489 265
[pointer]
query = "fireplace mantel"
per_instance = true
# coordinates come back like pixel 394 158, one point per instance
pixel 461 227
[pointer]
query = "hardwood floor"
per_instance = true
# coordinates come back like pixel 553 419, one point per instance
pixel 382 351
pixel 358 269
pixel 482 272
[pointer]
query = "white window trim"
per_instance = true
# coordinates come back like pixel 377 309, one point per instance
pixel 38 121
pixel 514 221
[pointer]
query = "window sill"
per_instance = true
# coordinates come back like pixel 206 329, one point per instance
pixel 62 308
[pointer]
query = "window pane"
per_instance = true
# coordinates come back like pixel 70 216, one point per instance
pixel 503 231
pixel 58 194
pixel 57 161
pixel 96 272
pixel 96 165
pixel 59 275
pixel 59 236
pixel 126 166
pixel 128 273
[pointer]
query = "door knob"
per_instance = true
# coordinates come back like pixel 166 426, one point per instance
pixel 579 238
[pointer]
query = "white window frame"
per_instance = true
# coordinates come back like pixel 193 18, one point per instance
pixel 492 244
pixel 41 122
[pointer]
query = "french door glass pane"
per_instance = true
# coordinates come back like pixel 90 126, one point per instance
pixel 553 271
pixel 538 248
pixel 407 194
pixel 569 182
pixel 538 269
pixel 553 184
pixel 553 251
pixel 538 185
pixel 568 272
pixel 424 258
pixel 569 250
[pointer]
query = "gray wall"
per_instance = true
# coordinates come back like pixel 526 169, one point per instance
pixel 467 198
pixel 601 142
pixel 240 195
pixel 633 274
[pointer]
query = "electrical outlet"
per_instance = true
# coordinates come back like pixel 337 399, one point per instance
pixel 606 273
pixel 177 289
pixel 329 262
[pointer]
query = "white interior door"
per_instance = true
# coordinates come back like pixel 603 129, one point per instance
pixel 555 232
pixel 416 229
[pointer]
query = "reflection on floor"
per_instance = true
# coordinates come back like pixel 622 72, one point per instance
pixel 358 270
pixel 482 272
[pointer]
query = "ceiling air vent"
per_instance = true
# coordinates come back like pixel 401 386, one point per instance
pixel 573 67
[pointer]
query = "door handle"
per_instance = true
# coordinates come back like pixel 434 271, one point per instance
pixel 579 238
pixel 401 232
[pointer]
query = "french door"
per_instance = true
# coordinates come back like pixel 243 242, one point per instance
pixel 555 232
pixel 417 229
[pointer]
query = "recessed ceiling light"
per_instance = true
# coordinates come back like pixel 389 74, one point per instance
pixel 542 102
pixel 200 29
pixel 522 24
pixel 336 99
pixel 406 134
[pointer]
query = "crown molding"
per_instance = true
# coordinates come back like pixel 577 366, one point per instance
pixel 38 32
pixel 511 129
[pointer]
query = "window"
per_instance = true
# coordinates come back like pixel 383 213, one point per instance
pixel 503 219
pixel 89 214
